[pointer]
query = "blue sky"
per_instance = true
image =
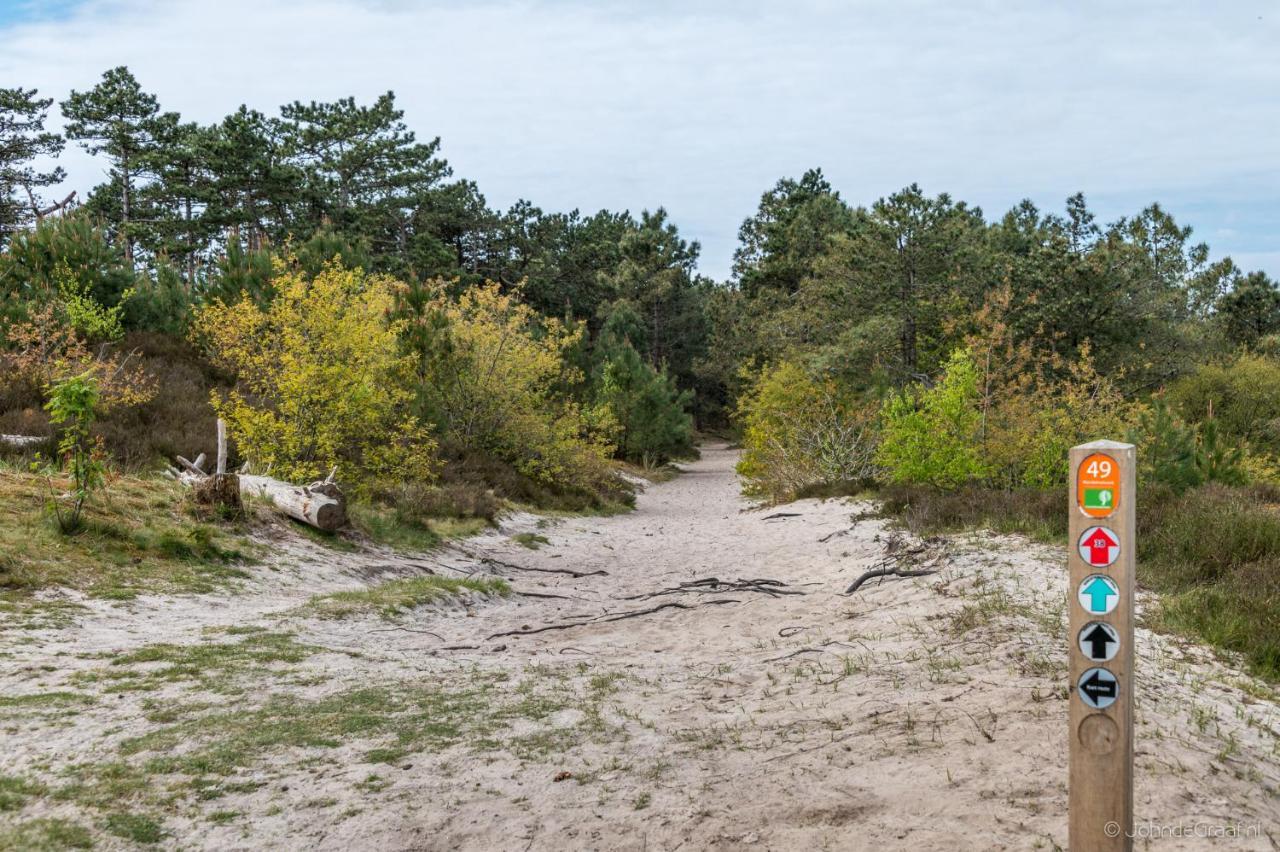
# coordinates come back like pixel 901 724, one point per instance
pixel 700 107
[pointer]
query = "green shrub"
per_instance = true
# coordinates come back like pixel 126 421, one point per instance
pixel 931 436
pixel 73 406
pixel 1173 454
pixel 29 267
pixel 160 302
pixel 1243 397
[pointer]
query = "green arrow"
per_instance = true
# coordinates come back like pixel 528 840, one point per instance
pixel 1098 591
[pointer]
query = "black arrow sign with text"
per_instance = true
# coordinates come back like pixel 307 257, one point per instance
pixel 1098 688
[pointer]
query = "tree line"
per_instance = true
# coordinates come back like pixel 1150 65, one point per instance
pixel 873 297
pixel 205 206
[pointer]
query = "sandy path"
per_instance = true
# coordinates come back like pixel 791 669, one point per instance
pixel 920 713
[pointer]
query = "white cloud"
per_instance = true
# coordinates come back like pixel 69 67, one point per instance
pixel 701 107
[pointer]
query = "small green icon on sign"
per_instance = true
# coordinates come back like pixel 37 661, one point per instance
pixel 1098 498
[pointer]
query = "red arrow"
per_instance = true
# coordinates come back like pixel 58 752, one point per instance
pixel 1100 544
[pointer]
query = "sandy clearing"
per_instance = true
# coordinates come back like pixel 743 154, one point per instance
pixel 922 713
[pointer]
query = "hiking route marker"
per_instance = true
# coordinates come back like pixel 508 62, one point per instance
pixel 1100 643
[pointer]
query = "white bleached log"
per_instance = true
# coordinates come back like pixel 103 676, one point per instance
pixel 222 448
pixel 21 440
pixel 321 504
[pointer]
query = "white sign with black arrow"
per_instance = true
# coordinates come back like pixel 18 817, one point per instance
pixel 1099 641
pixel 1098 688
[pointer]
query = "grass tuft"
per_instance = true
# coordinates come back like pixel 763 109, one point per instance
pixel 46 835
pixel 396 597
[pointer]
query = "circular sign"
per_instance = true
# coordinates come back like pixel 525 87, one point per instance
pixel 1098 688
pixel 1098 485
pixel 1098 594
pixel 1099 641
pixel 1099 547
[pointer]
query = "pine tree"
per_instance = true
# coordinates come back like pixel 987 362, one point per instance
pixel 650 411
pixel 365 170
pixel 22 139
pixel 118 119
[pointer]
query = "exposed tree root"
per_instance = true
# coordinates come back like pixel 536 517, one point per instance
pixel 889 571
pixel 608 617
pixel 713 585
pixel 488 560
pixel 898 561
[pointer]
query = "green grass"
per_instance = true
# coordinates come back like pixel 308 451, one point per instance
pixel 385 525
pixel 530 540
pixel 215 666
pixel 137 538
pixel 392 721
pixel 135 827
pixel 46 700
pixel 1212 553
pixel 45 835
pixel 397 597
pixel 204 752
pixel 15 792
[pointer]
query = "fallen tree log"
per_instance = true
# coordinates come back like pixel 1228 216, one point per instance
pixel 320 504
pixel 22 440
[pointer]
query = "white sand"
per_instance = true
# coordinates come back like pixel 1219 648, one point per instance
pixel 923 713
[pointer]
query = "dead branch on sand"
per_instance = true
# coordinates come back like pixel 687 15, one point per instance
pixel 712 585
pixel 898 561
pixel 607 617
pixel 498 563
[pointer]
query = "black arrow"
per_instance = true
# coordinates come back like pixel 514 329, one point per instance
pixel 1097 688
pixel 1098 639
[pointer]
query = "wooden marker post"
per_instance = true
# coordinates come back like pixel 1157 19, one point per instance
pixel 1100 639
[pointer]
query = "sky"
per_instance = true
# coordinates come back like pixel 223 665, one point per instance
pixel 699 107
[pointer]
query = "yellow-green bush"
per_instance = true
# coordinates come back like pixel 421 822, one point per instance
pixel 1033 415
pixel 1243 396
pixel 801 432
pixel 493 380
pixel 322 380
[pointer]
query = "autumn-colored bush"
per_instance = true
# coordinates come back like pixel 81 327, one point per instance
pixel 491 371
pixel 322 380
pixel 44 348
pixel 801 432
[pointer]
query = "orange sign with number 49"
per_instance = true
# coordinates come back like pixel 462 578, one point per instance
pixel 1098 485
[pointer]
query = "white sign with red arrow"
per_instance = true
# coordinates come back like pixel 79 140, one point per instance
pixel 1099 547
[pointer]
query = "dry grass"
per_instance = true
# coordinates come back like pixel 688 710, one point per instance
pixel 138 536
pixel 1212 553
